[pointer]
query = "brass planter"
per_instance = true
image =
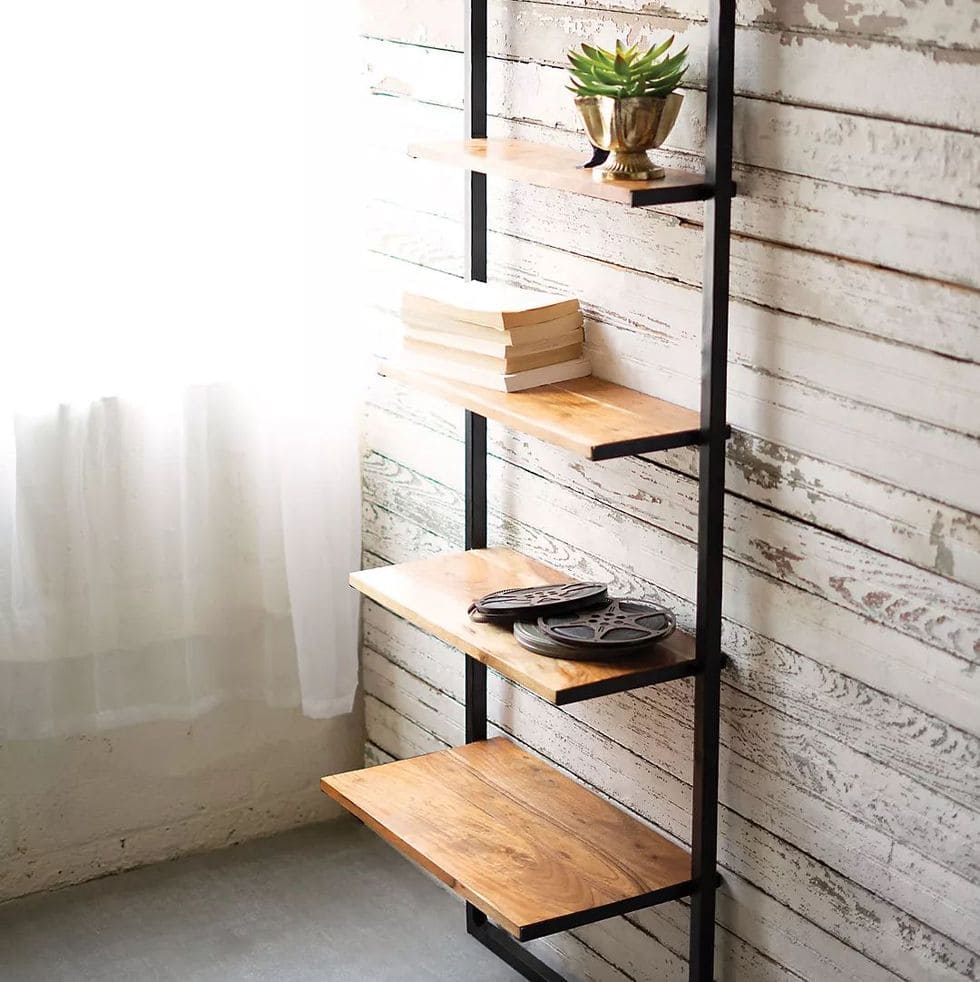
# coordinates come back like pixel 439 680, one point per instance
pixel 628 128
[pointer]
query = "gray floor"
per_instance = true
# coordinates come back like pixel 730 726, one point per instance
pixel 330 902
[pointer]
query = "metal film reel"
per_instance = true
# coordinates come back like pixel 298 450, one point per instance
pixel 527 603
pixel 530 636
pixel 619 624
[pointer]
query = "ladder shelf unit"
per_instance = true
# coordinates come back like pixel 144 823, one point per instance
pixel 532 851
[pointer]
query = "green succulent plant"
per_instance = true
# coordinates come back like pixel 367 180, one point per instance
pixel 626 72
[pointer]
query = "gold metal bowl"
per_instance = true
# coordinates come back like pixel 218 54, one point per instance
pixel 628 128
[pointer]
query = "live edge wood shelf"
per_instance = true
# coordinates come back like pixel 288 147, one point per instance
pixel 524 844
pixel 555 167
pixel 594 418
pixel 434 594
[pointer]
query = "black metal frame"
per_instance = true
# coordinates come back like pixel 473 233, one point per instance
pixel 651 444
pixel 718 190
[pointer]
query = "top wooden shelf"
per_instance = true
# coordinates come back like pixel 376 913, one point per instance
pixel 592 417
pixel 555 167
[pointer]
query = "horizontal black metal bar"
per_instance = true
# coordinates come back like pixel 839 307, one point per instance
pixel 670 196
pixel 568 921
pixel 647 444
pixel 624 683
pixel 530 966
pixel 651 444
pixel 518 957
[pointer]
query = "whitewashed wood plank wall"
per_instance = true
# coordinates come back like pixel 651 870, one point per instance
pixel 850 822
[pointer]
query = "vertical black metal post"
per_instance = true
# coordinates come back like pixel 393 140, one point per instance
pixel 475 111
pixel 711 479
pixel 476 269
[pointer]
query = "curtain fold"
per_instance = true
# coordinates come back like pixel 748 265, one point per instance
pixel 159 560
pixel 178 423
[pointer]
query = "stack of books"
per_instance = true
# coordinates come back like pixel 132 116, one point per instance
pixel 496 336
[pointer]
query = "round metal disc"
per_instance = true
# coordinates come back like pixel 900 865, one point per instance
pixel 527 603
pixel 530 636
pixel 621 623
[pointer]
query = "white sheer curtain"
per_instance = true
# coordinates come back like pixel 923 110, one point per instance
pixel 179 369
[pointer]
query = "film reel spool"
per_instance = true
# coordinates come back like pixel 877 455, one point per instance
pixel 619 624
pixel 530 636
pixel 528 603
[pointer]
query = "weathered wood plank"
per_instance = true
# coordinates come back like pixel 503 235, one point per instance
pixel 936 610
pixel 770 798
pixel 860 151
pixel 819 285
pixel 956 850
pixel 906 234
pixel 881 657
pixel 891 520
pixel 894 522
pixel 649 346
pixel 374 755
pixel 913 816
pixel 827 899
pixel 929 750
pixel 892 734
pixel 898 83
pixel 906 381
pixel 782 935
pixel 932 24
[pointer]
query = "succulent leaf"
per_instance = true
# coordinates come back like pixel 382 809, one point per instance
pixel 625 72
pixel 653 53
pixel 598 55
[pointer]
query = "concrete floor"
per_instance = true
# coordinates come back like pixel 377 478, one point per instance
pixel 330 902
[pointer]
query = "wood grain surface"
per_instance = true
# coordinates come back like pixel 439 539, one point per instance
pixel 553 167
pixel 512 835
pixel 435 593
pixel 590 416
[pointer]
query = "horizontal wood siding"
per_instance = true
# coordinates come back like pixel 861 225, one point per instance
pixel 850 763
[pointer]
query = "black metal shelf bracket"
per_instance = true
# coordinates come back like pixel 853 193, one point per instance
pixel 714 432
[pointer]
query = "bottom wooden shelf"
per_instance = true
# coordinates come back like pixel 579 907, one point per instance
pixel 535 851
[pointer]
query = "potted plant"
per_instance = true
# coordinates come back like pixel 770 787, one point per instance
pixel 628 103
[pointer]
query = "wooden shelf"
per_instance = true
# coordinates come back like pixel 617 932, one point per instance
pixel 532 849
pixel 592 417
pixel 435 593
pixel 556 167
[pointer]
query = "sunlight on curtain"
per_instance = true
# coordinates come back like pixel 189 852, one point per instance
pixel 180 365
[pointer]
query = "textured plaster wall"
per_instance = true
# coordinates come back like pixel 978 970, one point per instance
pixel 80 807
